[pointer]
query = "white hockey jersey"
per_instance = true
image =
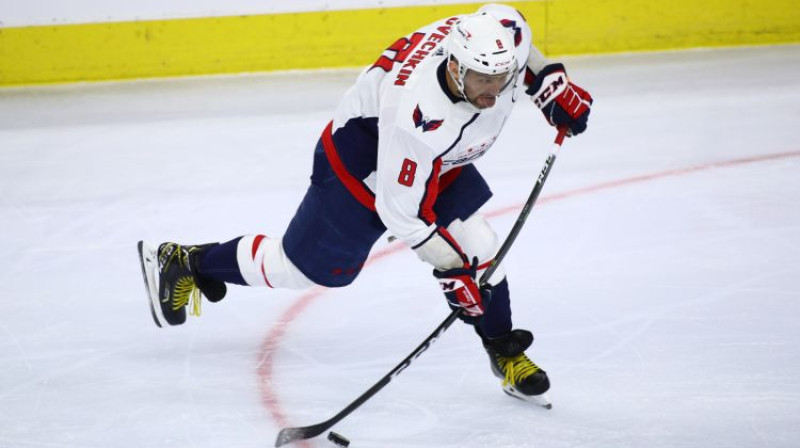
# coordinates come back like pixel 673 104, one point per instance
pixel 399 129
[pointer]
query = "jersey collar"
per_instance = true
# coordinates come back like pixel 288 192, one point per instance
pixel 441 74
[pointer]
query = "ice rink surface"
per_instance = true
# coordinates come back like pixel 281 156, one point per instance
pixel 660 271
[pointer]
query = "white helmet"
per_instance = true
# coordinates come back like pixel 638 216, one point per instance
pixel 480 43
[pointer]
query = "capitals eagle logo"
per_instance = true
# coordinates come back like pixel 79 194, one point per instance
pixel 426 123
pixel 512 25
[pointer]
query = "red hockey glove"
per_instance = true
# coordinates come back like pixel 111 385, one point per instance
pixel 562 102
pixel 461 290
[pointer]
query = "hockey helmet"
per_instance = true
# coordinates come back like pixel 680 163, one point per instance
pixel 479 43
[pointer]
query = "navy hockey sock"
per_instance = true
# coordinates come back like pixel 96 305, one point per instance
pixel 497 316
pixel 220 263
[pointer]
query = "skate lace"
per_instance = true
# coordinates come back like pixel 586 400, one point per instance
pixel 186 291
pixel 516 369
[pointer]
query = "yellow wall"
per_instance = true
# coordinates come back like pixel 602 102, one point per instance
pixel 66 53
pixel 600 26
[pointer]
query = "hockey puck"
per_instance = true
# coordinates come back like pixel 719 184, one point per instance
pixel 338 439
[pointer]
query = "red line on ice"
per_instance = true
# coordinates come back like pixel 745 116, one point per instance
pixel 275 336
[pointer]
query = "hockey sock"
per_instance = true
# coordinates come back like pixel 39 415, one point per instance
pixel 220 263
pixel 497 316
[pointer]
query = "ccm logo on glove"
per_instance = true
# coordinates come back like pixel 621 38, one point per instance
pixel 552 84
pixel 460 288
pixel 562 102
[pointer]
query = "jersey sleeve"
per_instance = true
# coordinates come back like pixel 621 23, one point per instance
pixel 407 185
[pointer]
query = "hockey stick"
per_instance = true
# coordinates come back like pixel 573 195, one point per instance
pixel 288 435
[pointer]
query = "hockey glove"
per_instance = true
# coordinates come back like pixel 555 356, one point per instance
pixel 461 291
pixel 562 102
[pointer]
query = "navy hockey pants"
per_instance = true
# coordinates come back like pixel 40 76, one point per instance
pixel 332 233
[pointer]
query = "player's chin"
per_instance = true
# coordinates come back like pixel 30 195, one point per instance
pixel 485 101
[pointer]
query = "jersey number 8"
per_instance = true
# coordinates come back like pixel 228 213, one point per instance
pixel 407 173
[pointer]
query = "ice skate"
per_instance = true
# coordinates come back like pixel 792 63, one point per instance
pixel 521 377
pixel 172 281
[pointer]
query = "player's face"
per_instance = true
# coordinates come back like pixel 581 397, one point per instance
pixel 483 90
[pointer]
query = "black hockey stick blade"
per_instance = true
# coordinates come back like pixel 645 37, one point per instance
pixel 288 435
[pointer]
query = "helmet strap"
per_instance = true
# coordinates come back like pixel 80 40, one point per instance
pixel 462 71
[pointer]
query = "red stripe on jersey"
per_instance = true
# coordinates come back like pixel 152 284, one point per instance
pixel 426 212
pixel 529 77
pixel 448 178
pixel 356 188
pixel 485 265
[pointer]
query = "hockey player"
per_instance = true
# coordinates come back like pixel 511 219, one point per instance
pixel 398 155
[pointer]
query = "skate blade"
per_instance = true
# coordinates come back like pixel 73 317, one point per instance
pixel 541 400
pixel 149 262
